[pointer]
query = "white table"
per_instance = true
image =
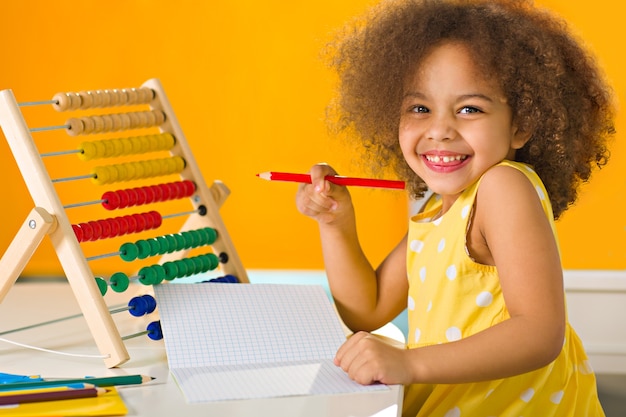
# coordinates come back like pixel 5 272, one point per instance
pixel 29 302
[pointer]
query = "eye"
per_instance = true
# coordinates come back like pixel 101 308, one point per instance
pixel 419 109
pixel 469 110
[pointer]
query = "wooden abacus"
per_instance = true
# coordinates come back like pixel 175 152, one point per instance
pixel 203 227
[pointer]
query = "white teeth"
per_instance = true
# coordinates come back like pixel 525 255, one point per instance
pixel 445 159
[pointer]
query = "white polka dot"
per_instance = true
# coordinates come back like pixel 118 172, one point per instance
pixel 417 335
pixel 540 193
pixel 410 303
pixel 423 274
pixel 484 299
pixel 442 245
pixel 527 395
pixel 437 222
pixel 585 368
pixel 455 412
pixel 556 397
pixel 465 211
pixel 451 272
pixel 416 245
pixel 453 333
pixel 430 306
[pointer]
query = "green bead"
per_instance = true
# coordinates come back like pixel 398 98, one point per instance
pixel 171 241
pixel 211 235
pixel 171 270
pixel 191 267
pixel 163 245
pixel 198 264
pixel 206 263
pixel 119 282
pixel 180 242
pixel 102 285
pixel 214 260
pixel 190 239
pixel 182 269
pixel 147 276
pixel 128 251
pixel 159 272
pixel 155 247
pixel 144 249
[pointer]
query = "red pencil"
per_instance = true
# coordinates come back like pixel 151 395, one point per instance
pixel 336 179
pixel 51 395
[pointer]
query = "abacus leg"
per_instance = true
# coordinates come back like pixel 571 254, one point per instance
pixel 37 224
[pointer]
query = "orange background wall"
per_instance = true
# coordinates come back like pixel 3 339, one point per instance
pixel 249 90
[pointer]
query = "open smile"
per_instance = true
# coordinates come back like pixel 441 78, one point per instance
pixel 445 163
pixel 445 159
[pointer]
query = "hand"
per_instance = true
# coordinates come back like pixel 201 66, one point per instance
pixel 322 200
pixel 368 359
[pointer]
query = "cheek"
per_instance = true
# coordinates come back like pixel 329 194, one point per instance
pixel 409 152
pixel 406 144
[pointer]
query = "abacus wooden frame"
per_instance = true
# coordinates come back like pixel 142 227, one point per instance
pixel 55 223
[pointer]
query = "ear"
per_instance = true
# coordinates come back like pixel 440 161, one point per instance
pixel 520 138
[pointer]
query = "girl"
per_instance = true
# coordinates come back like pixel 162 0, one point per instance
pixel 496 108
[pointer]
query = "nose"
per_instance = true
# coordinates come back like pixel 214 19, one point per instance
pixel 441 127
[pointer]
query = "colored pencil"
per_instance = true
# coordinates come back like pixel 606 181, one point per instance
pixel 335 179
pixel 15 386
pixel 99 382
pixel 35 390
pixel 51 396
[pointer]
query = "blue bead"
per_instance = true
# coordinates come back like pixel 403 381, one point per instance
pixel 154 330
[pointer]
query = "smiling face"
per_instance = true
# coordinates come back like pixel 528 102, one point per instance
pixel 455 122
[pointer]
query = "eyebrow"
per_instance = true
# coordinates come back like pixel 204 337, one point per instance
pixel 460 98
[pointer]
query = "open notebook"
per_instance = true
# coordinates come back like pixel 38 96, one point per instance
pixel 241 341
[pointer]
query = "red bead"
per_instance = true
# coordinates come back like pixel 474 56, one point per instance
pixel 158 193
pixel 150 197
pixel 111 200
pixel 132 197
pixel 87 231
pixel 156 218
pixel 123 196
pixel 165 191
pixel 190 188
pixel 148 220
pixel 141 196
pixel 132 224
pixel 180 189
pixel 114 225
pixel 78 232
pixel 97 230
pixel 122 222
pixel 106 228
pixel 140 222
pixel 173 190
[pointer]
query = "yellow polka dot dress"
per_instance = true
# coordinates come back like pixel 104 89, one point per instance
pixel 452 297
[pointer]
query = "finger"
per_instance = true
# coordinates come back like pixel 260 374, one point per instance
pixel 318 174
pixel 308 197
pixel 346 350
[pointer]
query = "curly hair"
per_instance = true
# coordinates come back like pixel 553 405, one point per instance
pixel 553 85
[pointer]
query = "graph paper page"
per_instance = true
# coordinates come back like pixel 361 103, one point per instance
pixel 229 341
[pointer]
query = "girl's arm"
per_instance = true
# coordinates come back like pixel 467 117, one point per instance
pixel 510 231
pixel 365 298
